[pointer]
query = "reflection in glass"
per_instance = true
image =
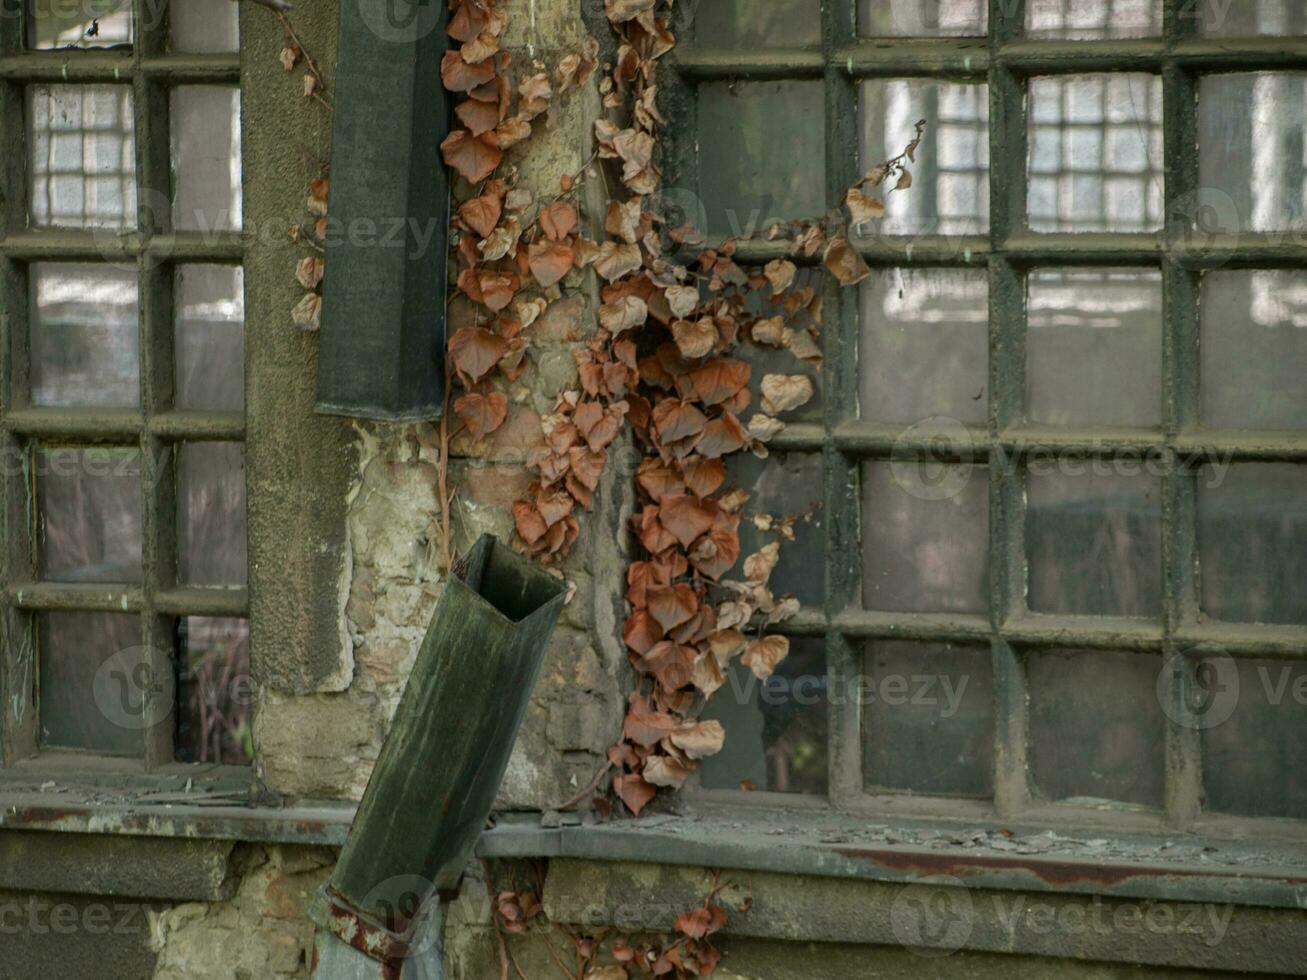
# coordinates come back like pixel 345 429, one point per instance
pixel 1251 18
pixel 90 514
pixel 1096 726
pixel 56 24
pixel 1254 349
pixel 923 18
pixel 1251 153
pixel 925 553
pixel 757 24
pixel 928 719
pixel 214 692
pixel 200 27
pixel 92 682
pixel 775 729
pixel 761 154
pixel 85 336
pixel 1094 348
pixel 1255 761
pixel 924 349
pixel 1252 542
pixel 206 158
pixel 1093 19
pixel 210 341
pixel 785 485
pixel 1096 153
pixel 950 187
pixel 82 157
pixel 1093 536
pixel 211 513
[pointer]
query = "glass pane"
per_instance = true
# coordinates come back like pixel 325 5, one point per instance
pixel 925 536
pixel 93 679
pixel 1254 349
pixel 211 512
pixel 83 157
pixel 928 719
pixel 950 185
pixel 215 693
pixel 1096 726
pixel 756 24
pixel 1093 534
pixel 1252 541
pixel 1091 19
pixel 90 514
pixel 1094 350
pixel 206 158
pixel 1096 153
pixel 1251 154
pixel 923 18
pixel 1255 761
pixel 775 729
pixel 85 336
pixel 924 350
pixel 201 27
pixel 80 24
pixel 762 154
pixel 785 485
pixel 210 342
pixel 1250 18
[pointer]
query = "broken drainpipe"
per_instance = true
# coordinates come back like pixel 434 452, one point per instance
pixel 439 771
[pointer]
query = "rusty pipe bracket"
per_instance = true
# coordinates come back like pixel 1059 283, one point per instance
pixel 351 943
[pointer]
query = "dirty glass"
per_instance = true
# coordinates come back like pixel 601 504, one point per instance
pixel 206 158
pixel 950 186
pixel 775 729
pixel 203 27
pixel 1251 153
pixel 1096 153
pixel 1252 542
pixel 1093 537
pixel 1087 20
pixel 209 348
pixel 924 346
pixel 214 692
pixel 89 507
pixel 211 513
pixel 58 24
pixel 750 24
pixel 1251 18
pixel 93 681
pixel 928 719
pixel 765 358
pixel 85 336
pixel 923 18
pixel 785 485
pixel 1094 348
pixel 82 156
pixel 1096 726
pixel 925 536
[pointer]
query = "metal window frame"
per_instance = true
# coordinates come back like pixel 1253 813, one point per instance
pixel 156 249
pixel 1005 60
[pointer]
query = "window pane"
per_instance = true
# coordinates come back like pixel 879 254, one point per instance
pixel 1255 761
pixel 762 155
pixel 210 342
pixel 923 18
pixel 1251 155
pixel 82 24
pixel 924 350
pixel 83 158
pixel 1093 535
pixel 1091 19
pixel 206 158
pixel 757 24
pixel 93 679
pixel 201 27
pixel 785 485
pixel 1096 726
pixel 1094 348
pixel 211 511
pixel 775 729
pixel 90 514
pixel 928 719
pixel 1096 153
pixel 950 186
pixel 1252 540
pixel 85 340
pixel 1250 18
pixel 1254 349
pixel 214 696
pixel 925 539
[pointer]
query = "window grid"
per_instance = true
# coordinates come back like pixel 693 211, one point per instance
pixel 1007 60
pixel 153 249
